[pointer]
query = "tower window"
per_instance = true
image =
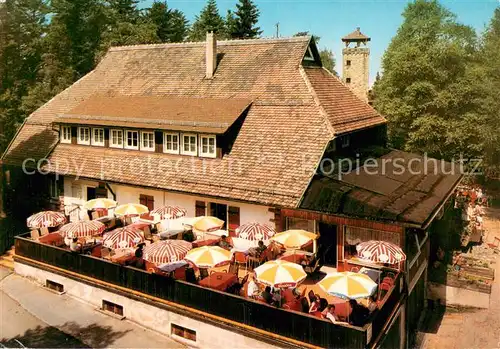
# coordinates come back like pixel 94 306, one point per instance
pixel 348 80
pixel 348 62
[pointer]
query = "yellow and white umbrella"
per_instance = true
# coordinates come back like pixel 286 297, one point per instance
pixel 208 256
pixel 102 203
pixel 207 224
pixel 294 238
pixel 280 274
pixel 348 285
pixel 131 209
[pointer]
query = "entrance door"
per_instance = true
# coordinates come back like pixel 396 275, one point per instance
pixel 327 244
pixel 219 211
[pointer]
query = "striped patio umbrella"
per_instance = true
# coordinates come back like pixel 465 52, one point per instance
pixel 254 232
pixel 82 229
pixel 280 274
pixel 122 238
pixel 166 251
pixel 294 238
pixel 96 204
pixel 169 212
pixel 207 224
pixel 208 256
pixel 46 219
pixel 380 252
pixel 348 285
pixel 131 209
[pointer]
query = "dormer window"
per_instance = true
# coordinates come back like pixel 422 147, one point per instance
pixel 171 142
pixel 131 139
pixel 98 137
pixel 309 55
pixel 65 134
pixel 116 138
pixel 147 141
pixel 207 146
pixel 83 135
pixel 189 144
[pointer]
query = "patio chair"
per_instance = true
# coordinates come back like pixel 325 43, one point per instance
pixel 95 215
pixel 147 234
pixel 241 258
pixel 105 253
pixel 35 234
pixel 180 273
pixel 355 269
pixel 244 280
pixel 311 269
pixel 44 231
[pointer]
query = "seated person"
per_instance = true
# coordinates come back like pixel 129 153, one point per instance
pixel 74 245
pixel 329 313
pixel 315 303
pixel 224 243
pixel 252 288
pixel 277 298
pixel 257 251
pixel 267 295
pixel 188 236
pixel 323 304
pixel 359 313
pixel 191 276
pixel 137 261
pixel 372 304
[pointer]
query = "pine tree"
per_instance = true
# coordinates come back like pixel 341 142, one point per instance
pixel 230 29
pixel 180 26
pixel 428 91
pixel 247 16
pixel 209 19
pixel 125 10
pixel 171 24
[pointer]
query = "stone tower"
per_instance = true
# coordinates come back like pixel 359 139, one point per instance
pixel 355 56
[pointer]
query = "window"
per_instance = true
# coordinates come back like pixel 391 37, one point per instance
pixel 207 146
pixel 219 211
pixel 83 135
pixel 132 139
pixel 345 141
pixel 189 144
pixel 354 235
pixel 299 223
pixel 348 62
pixel 200 208
pixel 53 187
pixel 348 80
pixel 112 307
pixel 183 332
pixel 171 143
pixel 116 139
pixel 233 218
pixel 98 137
pixel 148 141
pixel 65 134
pixel 309 56
pixel 54 286
pixel 147 200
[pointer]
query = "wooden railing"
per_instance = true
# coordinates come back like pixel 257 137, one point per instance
pixel 261 316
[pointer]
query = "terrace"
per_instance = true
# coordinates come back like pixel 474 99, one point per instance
pixel 249 316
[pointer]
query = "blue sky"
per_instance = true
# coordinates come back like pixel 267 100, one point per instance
pixel 332 19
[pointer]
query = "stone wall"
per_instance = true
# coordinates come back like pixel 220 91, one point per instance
pixel 357 71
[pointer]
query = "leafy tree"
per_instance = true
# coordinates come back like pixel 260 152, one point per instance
pixel 246 18
pixel 230 28
pixel 125 10
pixel 171 25
pixel 209 19
pixel 428 92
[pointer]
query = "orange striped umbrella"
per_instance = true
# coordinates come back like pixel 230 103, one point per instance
pixel 208 256
pixel 280 273
pixel 348 285
pixel 207 224
pixel 166 251
pixel 122 238
pixel 46 219
pixel 82 229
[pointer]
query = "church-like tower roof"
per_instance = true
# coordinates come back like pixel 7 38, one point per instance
pixel 356 35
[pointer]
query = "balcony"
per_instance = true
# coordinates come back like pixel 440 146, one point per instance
pixel 244 315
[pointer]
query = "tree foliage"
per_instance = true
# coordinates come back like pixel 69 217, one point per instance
pixel 428 90
pixel 171 24
pixel 209 19
pixel 326 55
pixel 245 22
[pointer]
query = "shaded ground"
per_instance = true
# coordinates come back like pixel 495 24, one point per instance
pixel 468 328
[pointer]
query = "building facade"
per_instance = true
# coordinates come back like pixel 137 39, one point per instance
pixel 355 63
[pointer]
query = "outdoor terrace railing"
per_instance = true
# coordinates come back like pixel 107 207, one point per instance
pixel 286 323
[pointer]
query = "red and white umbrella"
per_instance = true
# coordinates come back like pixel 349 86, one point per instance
pixel 46 219
pixel 82 229
pixel 169 212
pixel 122 238
pixel 380 252
pixel 254 232
pixel 166 251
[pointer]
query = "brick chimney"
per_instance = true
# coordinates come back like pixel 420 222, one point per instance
pixel 210 55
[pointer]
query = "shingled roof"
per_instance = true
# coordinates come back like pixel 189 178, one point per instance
pixel 356 35
pixel 287 121
pixel 383 191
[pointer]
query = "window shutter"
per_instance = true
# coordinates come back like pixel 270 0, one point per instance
pixel 147 200
pixel 143 200
pixel 233 219
pixel 200 208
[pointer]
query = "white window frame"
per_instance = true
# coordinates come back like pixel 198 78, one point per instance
pixel 147 133
pixel 65 131
pixel 207 154
pixel 94 141
pixel 345 141
pixel 165 142
pixel 189 152
pixel 79 140
pixel 125 140
pixel 309 55
pixel 111 142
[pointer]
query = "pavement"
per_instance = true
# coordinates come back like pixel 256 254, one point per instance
pixel 468 328
pixel 38 318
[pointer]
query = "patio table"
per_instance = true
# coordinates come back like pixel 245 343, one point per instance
pixel 371 273
pixel 206 242
pixel 219 281
pixel 294 258
pixel 54 239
